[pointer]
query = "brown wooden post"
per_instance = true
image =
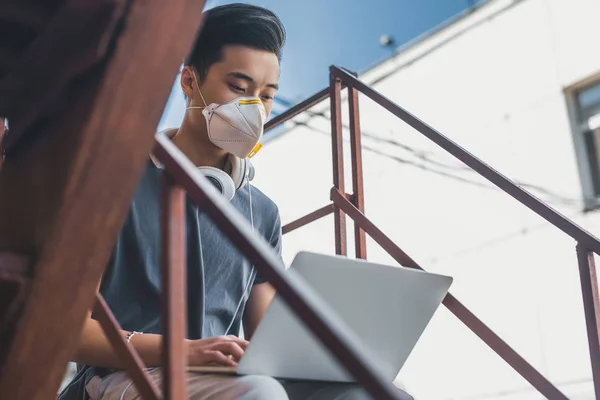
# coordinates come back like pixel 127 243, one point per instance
pixel 591 306
pixel 358 198
pixel 65 191
pixel 307 219
pixel 174 298
pixel 129 356
pixel 337 149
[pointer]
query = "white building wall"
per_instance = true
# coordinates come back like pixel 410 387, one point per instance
pixel 494 83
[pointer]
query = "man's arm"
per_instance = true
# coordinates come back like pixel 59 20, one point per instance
pixel 95 349
pixel 258 302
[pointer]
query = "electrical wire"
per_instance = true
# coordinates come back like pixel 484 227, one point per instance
pixel 524 231
pixel 424 156
pixel 550 196
pixel 493 242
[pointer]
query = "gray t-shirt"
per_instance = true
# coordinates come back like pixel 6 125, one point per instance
pixel 219 278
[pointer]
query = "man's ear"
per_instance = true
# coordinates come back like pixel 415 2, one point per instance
pixel 187 81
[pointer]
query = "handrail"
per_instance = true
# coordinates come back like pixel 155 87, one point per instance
pixel 298 109
pixel 125 351
pixel 591 302
pixel 495 177
pixel 307 219
pixel 308 306
pixel 310 309
pixel 353 206
pixel 476 325
pixel 502 182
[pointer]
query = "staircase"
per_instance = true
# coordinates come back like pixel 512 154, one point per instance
pixel 61 206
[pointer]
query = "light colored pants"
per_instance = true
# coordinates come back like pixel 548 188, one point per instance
pixel 118 386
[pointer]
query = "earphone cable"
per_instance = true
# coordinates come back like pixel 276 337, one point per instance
pixel 252 269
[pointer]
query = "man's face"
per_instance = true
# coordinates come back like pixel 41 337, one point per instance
pixel 242 71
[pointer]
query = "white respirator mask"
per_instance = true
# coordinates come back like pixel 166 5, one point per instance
pixel 235 127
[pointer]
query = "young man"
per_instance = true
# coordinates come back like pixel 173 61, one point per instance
pixel 229 81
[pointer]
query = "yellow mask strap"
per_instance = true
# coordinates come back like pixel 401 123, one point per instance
pixel 255 150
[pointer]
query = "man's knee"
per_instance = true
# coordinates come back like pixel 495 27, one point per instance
pixel 262 387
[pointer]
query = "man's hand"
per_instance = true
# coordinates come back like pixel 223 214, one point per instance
pixel 221 350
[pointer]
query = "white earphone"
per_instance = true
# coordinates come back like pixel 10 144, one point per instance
pixel 242 172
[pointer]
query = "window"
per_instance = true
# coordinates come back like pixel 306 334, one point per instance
pixel 584 101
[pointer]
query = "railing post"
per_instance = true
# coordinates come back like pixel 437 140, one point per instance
pixel 315 314
pixel 489 337
pixel 125 351
pixel 591 305
pixel 173 290
pixel 501 181
pixel 358 197
pixel 337 149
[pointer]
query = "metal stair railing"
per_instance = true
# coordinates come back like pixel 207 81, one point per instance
pixel 352 205
pixel 181 176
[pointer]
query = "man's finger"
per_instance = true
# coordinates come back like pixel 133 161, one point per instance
pixel 219 358
pixel 229 348
pixel 243 343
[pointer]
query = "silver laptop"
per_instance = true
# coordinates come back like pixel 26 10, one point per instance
pixel 386 308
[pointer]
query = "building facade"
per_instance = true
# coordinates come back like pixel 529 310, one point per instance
pixel 517 83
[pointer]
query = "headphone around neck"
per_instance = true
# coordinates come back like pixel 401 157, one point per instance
pixel 241 172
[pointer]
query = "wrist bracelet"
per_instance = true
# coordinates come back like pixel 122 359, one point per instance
pixel 132 334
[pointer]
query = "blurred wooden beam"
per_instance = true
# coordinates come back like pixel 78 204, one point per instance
pixel 65 194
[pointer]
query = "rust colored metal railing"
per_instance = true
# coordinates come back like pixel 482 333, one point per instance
pixel 181 176
pixel 352 205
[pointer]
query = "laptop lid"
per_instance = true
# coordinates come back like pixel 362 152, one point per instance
pixel 387 307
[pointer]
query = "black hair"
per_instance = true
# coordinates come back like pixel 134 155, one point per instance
pixel 235 24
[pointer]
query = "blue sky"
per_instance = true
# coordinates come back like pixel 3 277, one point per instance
pixel 341 32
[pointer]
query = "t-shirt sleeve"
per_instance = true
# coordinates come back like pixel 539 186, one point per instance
pixel 275 242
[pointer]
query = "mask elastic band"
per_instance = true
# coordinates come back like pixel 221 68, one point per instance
pixel 199 91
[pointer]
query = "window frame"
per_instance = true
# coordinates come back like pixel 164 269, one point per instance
pixel 591 200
